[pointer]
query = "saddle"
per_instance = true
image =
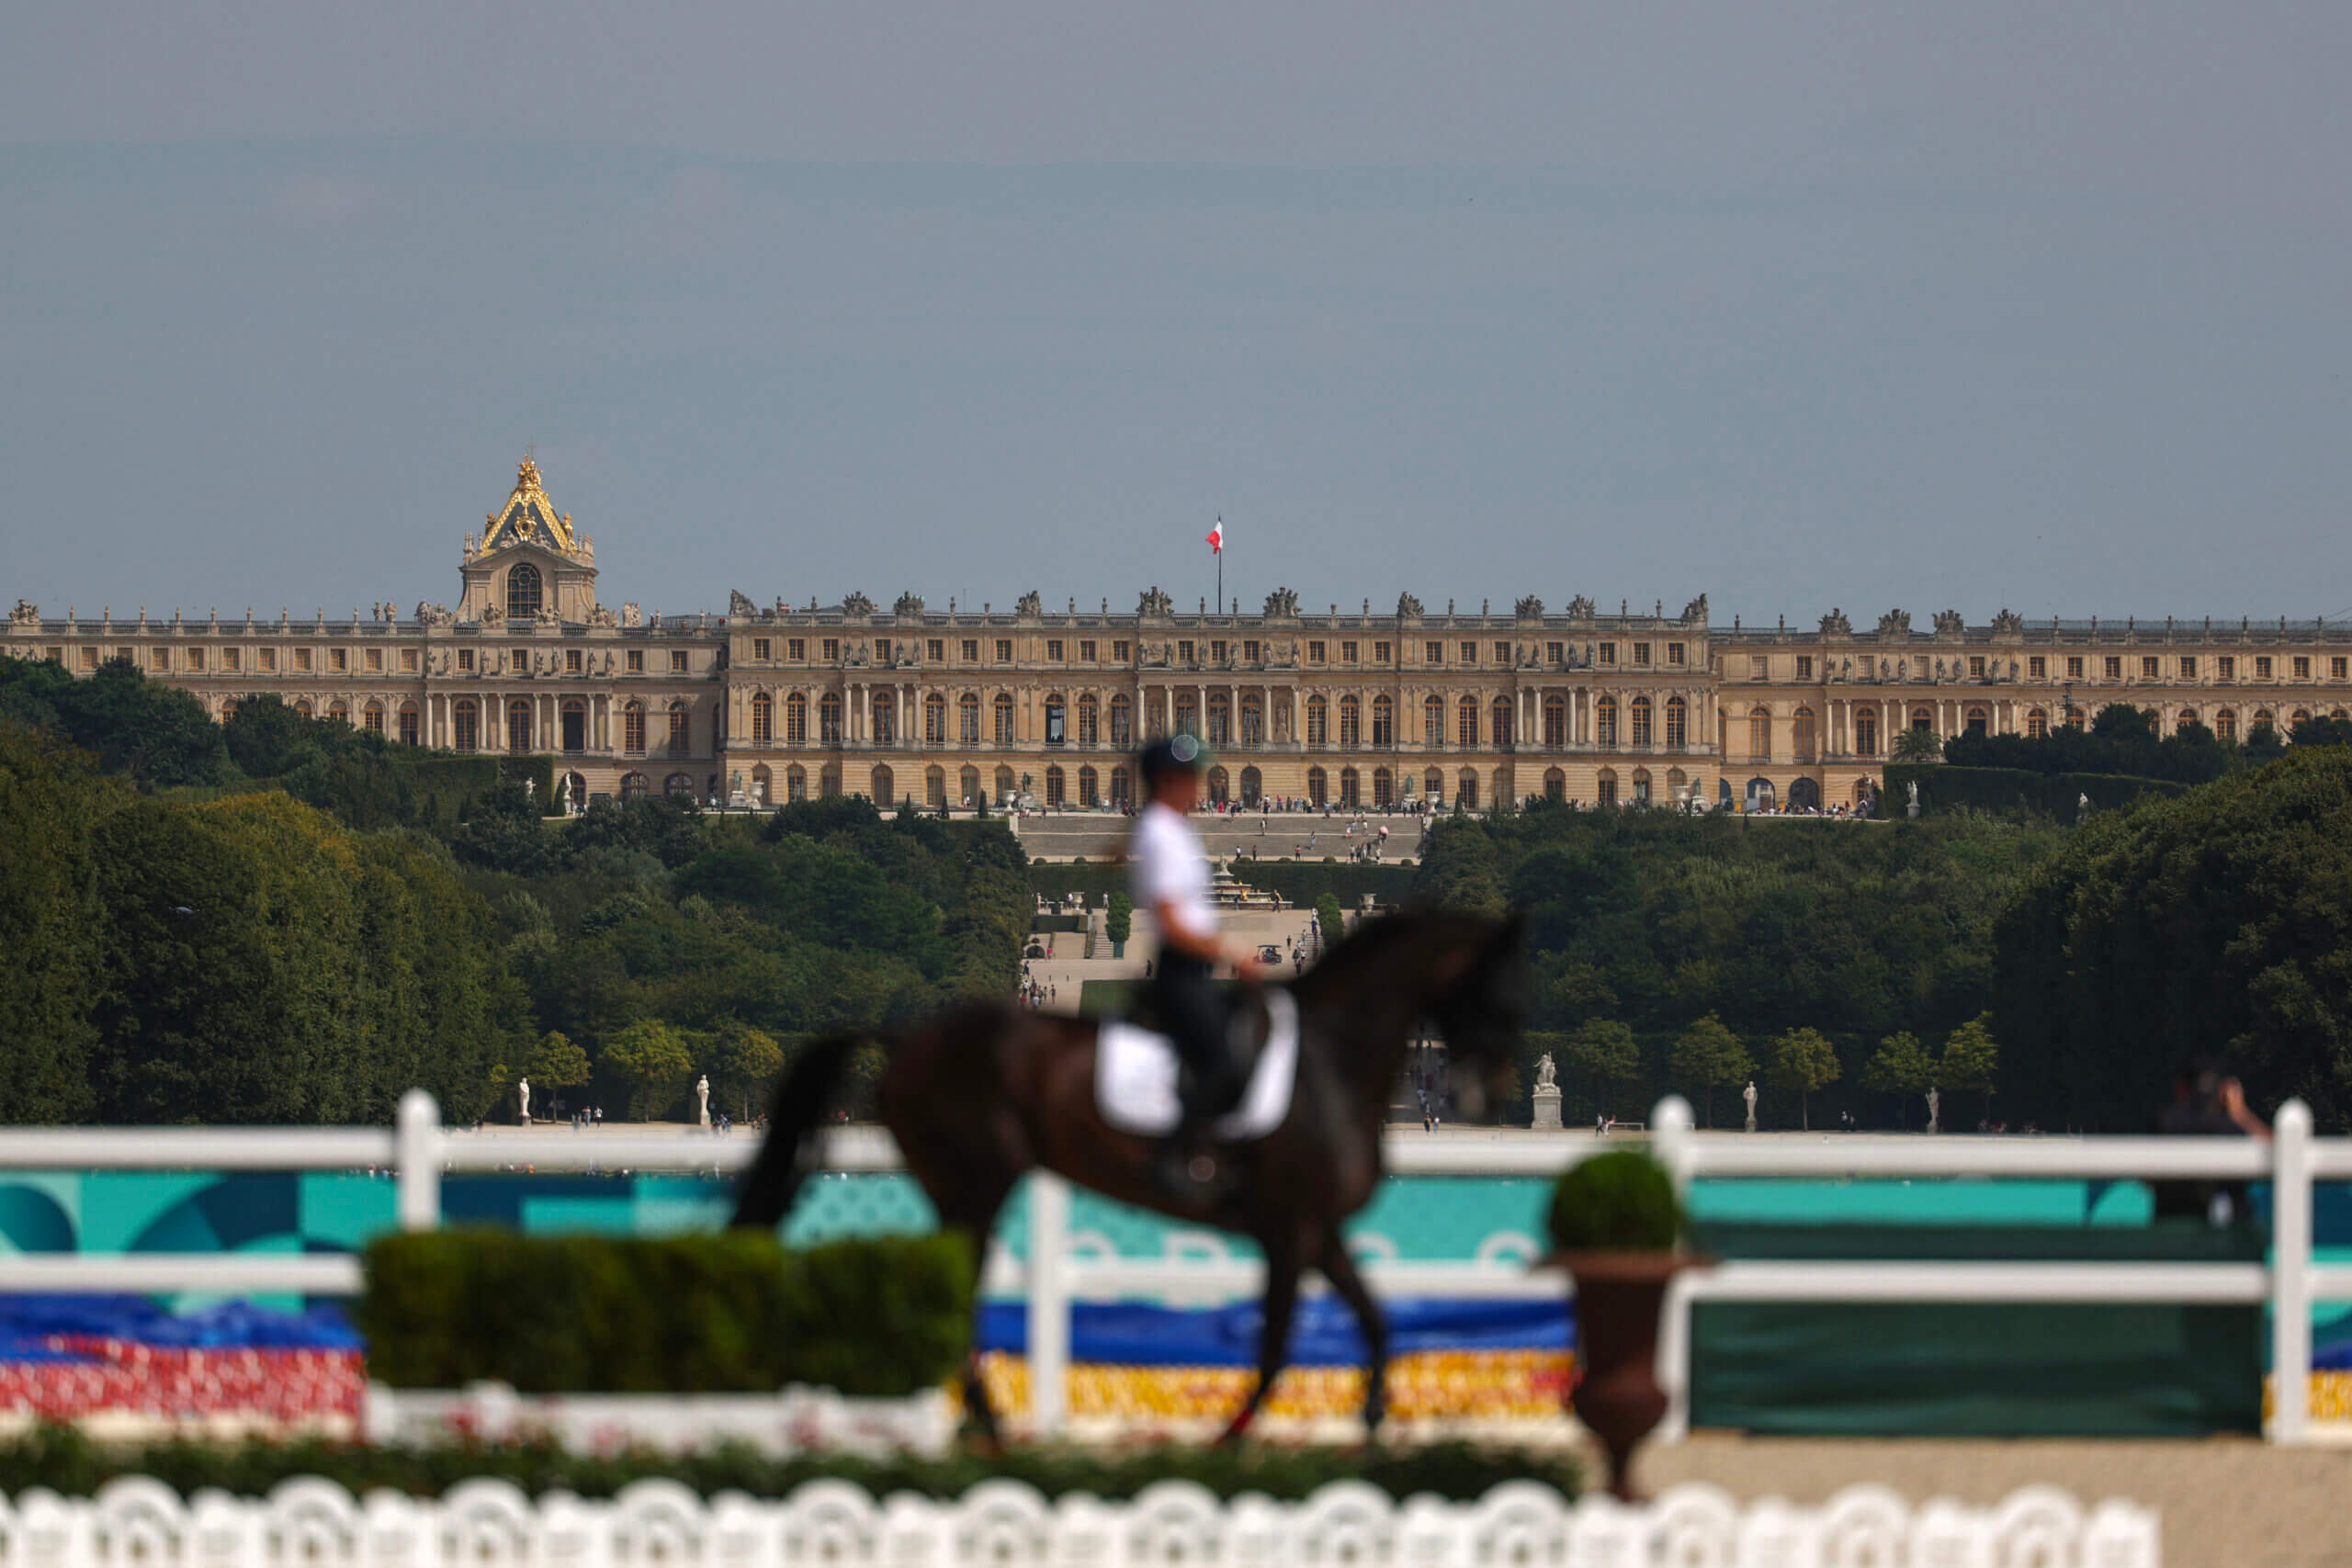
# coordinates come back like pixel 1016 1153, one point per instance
pixel 1140 1084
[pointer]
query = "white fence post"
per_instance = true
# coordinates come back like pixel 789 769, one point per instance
pixel 2290 1273
pixel 417 1159
pixel 1048 1303
pixel 1670 1130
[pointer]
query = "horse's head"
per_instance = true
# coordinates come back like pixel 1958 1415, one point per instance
pixel 1485 987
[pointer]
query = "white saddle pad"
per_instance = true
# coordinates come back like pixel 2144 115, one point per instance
pixel 1135 1078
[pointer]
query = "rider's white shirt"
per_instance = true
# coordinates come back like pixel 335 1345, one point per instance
pixel 1168 864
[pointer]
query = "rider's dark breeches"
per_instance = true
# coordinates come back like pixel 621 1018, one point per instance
pixel 1193 1010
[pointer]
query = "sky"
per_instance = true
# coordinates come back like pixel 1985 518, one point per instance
pixel 1800 306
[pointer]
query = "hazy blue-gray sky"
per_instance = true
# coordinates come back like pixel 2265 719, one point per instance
pixel 1801 304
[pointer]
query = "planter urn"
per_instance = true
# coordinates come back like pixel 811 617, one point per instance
pixel 1619 1297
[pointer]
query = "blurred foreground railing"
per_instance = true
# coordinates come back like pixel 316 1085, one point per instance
pixel 419 1151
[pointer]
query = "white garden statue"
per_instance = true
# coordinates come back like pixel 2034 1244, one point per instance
pixel 702 1095
pixel 1547 1075
pixel 1935 1110
pixel 523 1094
pixel 1749 1095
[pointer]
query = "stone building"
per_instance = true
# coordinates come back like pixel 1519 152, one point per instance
pixel 1354 708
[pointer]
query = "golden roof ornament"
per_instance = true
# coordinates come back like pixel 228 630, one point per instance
pixel 528 516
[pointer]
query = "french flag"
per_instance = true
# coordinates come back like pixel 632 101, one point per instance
pixel 1217 538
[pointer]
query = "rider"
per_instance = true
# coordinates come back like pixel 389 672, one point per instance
pixel 1169 871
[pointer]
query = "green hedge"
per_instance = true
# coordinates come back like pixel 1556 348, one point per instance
pixel 1299 882
pixel 733 1313
pixel 64 1460
pixel 2014 789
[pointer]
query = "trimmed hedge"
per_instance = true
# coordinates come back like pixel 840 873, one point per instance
pixel 73 1465
pixel 731 1313
pixel 2014 789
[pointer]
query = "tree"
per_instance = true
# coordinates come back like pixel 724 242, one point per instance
pixel 1971 1059
pixel 2123 721
pixel 1900 1067
pixel 651 1059
pixel 1709 1055
pixel 1603 1049
pixel 558 1062
pixel 1118 921
pixel 1919 745
pixel 1331 919
pixel 1804 1060
pixel 748 1062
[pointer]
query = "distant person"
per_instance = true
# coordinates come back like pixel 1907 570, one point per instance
pixel 2207 1102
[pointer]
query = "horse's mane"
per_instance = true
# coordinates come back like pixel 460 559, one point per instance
pixel 1370 945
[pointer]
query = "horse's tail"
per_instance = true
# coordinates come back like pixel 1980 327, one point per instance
pixel 769 1187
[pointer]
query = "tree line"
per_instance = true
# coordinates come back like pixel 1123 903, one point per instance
pixel 186 948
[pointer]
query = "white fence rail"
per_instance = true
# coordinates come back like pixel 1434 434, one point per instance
pixel 418 1151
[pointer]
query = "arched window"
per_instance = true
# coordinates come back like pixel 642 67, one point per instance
pixel 828 780
pixel 1604 721
pixel 1219 788
pixel 1118 787
pixel 796 720
pixel 1555 784
pixel 228 709
pixel 635 786
pixel 2225 724
pixel 1432 722
pixel 679 786
pixel 1123 722
pixel 1801 735
pixel 1089 784
pixel 302 705
pixel 1002 713
pixel 633 730
pixel 1383 787
pixel 1351 726
pixel 518 725
pixel 1922 721
pixel 1188 714
pixel 1004 784
pixel 1465 721
pixel 1555 729
pixel 1865 733
pixel 1090 724
pixel 1348 796
pixel 1054 786
pixel 2262 720
pixel 1678 723
pixel 1641 786
pixel 1499 726
pixel 1433 787
pixel 829 722
pixel 886 786
pixel 1678 783
pixel 934 787
pixel 1253 787
pixel 523 592
pixel 1314 786
pixel 339 711
pixel 968 718
pixel 468 723
pixel 2037 724
pixel 763 786
pixel 762 718
pixel 681 728
pixel 1253 720
pixel 1759 735
pixel 1466 792
pixel 1977 721
pixel 967 786
pixel 885 708
pixel 934 724
pixel 1383 722
pixel 1318 721
pixel 796 783
pixel 2301 715
pixel 1639 711
pixel 372 718
pixel 1220 719
pixel 2187 717
pixel 411 730
pixel 1604 788
pixel 1057 719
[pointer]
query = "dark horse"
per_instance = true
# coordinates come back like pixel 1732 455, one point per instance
pixel 984 1092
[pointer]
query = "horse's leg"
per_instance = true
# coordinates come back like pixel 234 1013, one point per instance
pixel 1273 1347
pixel 1341 1270
pixel 973 1210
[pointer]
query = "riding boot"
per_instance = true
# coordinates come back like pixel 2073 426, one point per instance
pixel 1181 1166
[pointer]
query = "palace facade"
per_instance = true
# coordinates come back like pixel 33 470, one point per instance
pixel 1354 709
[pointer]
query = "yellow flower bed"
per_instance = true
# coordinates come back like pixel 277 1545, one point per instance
pixel 1448 1384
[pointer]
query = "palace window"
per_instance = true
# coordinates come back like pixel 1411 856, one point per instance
pixel 2303 668
pixel 1555 653
pixel 1976 667
pixel 1608 655
pixel 2262 666
pixel 518 662
pixel 1383 722
pixel 763 649
pixel 633 730
pixel 2335 666
pixel 372 718
pixel 468 725
pixel 1556 723
pixel 1642 658
pixel 1641 716
pixel 1054 649
pixel 1469 653
pixel 1003 715
pixel 1317 721
pixel 1759 735
pixel 523 592
pixel 1314 786
pixel 1057 721
pixel 268 659
pixel 967 719
pixel 196 658
pixel 1005 651
pixel 1432 653
pixel 1804 666
pixel 1348 799
pixel 796 720
pixel 1350 722
pixel 2037 666
pixel 1866 734
pixel 2225 724
pixel 2037 724
pixel 408 661
pixel 1184 652
pixel 934 721
pixel 1433 722
pixel 2114 668
pixel 1123 727
pixel 1977 722
pixel 1465 722
pixel 1253 722
pixel 1502 653
pixel 2074 667
pixel 829 720
pixel 375 659
pixel 633 663
pixel 408 724
pixel 302 659
pixel 1499 722
pixel 338 659
pixel 796 649
pixel 1604 722
pixel 1605 788
pixel 1760 667
pixel 518 725
pixel 680 719
pixel 1347 653
pixel 1678 723
pixel 1380 653
pixel 1090 725
pixel 1314 653
pixel 90 658
pixel 1249 651
pixel 2186 717
pixel 884 720
pixel 678 662
pixel 1119 656
pixel 2188 667
pixel 2148 667
pixel 573 721
pixel 1086 654
pixel 935 650
pixel 1674 654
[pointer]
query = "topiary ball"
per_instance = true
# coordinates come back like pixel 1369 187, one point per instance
pixel 1622 1202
